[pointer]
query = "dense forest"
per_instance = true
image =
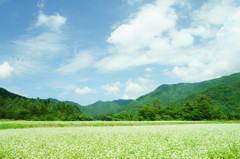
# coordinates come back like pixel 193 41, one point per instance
pixel 36 109
pixel 225 97
pixel 198 109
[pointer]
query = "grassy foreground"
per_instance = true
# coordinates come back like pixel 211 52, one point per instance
pixel 159 141
pixel 13 124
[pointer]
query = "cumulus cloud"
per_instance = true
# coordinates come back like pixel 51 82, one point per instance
pixel 218 21
pixel 214 12
pixel 133 43
pixel 139 86
pixel 130 89
pixel 139 32
pixel 53 22
pixel 181 38
pixel 205 47
pixel 133 87
pixel 85 90
pixel 6 71
pixel 112 88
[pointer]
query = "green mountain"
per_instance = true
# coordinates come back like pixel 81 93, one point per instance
pixel 97 109
pixel 67 102
pixel 4 93
pixel 223 91
pixel 170 93
pixel 225 97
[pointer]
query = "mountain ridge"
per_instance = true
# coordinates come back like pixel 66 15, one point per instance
pixel 5 93
pixel 98 108
pixel 168 94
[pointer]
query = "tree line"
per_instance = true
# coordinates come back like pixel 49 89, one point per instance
pixel 44 110
pixel 37 109
pixel 197 109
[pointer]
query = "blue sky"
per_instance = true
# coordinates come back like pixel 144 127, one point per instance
pixel 85 51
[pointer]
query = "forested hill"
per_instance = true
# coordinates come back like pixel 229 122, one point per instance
pixel 170 93
pixel 13 106
pixel 225 97
pixel 67 102
pixel 224 92
pixel 97 109
pixel 4 93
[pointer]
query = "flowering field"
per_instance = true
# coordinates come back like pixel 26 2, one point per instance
pixel 159 141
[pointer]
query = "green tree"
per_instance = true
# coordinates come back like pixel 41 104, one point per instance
pixel 150 111
pixel 103 117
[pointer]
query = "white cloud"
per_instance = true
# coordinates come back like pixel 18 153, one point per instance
pixel 133 87
pixel 43 45
pixel 6 71
pixel 80 61
pixel 214 12
pixel 181 38
pixel 139 86
pixel 36 53
pixel 85 90
pixel 134 43
pixel 53 22
pixel 205 48
pixel 121 62
pixel 112 88
pixel 140 31
pixel 219 56
pixel 33 54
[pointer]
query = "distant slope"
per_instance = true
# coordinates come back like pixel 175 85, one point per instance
pixel 170 93
pixel 225 97
pixel 67 102
pixel 4 93
pixel 97 109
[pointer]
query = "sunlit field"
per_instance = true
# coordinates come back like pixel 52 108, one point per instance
pixel 159 141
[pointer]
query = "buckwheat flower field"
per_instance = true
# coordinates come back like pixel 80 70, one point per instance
pixel 162 141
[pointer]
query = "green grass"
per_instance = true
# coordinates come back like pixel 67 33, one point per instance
pixel 13 124
pixel 159 141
